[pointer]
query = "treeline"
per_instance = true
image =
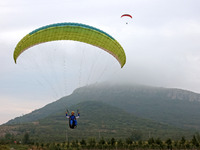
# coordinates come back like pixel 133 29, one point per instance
pixel 91 143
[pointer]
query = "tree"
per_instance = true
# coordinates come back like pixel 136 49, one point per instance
pixel 8 138
pixel 195 141
pixel 42 145
pixel 53 147
pixel 129 141
pixel 169 143
pixel 26 139
pixel 197 136
pixel 112 141
pixel 182 142
pixel 159 142
pixel 151 141
pixel 102 141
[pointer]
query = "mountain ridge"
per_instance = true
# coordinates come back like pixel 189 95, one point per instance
pixel 97 120
pixel 175 107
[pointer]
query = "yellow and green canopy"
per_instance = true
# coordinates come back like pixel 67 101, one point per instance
pixel 72 31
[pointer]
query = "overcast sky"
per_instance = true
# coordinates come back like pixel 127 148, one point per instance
pixel 161 42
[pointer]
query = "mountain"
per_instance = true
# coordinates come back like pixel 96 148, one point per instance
pixel 97 120
pixel 175 107
pixel 165 110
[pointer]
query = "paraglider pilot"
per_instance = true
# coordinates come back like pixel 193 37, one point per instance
pixel 72 119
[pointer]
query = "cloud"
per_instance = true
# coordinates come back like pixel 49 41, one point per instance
pixel 161 43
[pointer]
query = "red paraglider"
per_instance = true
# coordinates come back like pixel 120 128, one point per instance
pixel 127 15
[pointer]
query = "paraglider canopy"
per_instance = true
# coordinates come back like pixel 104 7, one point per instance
pixel 126 15
pixel 72 31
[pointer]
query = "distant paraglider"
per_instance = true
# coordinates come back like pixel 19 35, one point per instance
pixel 126 15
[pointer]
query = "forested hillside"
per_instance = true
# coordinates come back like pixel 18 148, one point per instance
pixel 97 120
pixel 174 107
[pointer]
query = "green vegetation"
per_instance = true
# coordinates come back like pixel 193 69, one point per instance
pixel 112 116
pixel 170 106
pixel 108 143
pixel 97 120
